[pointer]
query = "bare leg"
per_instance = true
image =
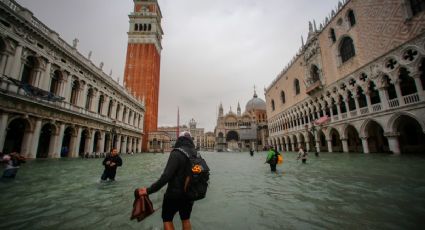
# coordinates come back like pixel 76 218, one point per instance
pixel 168 226
pixel 186 225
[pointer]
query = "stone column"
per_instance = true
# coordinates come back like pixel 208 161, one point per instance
pixel 369 102
pixel 101 142
pixel 329 146
pixel 347 107
pixel 331 113
pixel 124 145
pixel 46 79
pixel 365 144
pixel 16 63
pixel 394 143
pixel 356 101
pixel 345 145
pixel 307 146
pixel 35 139
pixel 383 96
pixel 287 146
pixel 105 106
pixel 95 101
pixel 3 127
pixel 139 147
pixel 76 147
pixel 89 143
pixel 118 143
pixel 398 91
pixel 59 140
pixel 317 141
pixel 338 108
pixel 82 97
pixel 419 88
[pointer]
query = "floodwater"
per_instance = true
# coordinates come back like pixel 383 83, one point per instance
pixel 333 191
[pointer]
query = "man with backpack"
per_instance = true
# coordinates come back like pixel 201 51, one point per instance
pixel 272 158
pixel 180 173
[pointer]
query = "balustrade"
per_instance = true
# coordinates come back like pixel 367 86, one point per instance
pixel 411 98
pixel 364 110
pixel 394 103
pixel 377 107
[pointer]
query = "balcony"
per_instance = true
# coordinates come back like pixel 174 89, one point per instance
pixel 314 87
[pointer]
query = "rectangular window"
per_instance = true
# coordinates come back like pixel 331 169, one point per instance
pixel 417 6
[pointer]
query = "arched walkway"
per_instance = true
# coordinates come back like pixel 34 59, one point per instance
pixel 96 142
pixel 412 138
pixel 335 140
pixel 377 142
pixel 66 142
pixel 16 131
pixel 84 136
pixel 353 139
pixel 323 145
pixel 46 141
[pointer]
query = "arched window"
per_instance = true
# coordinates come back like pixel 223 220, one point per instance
pixel 74 92
pixel 55 83
pixel 28 70
pixel 332 35
pixel 297 86
pixel 111 104
pixel 361 97
pixel 273 105
pixel 346 49
pixel 136 27
pixel 373 94
pixel 149 27
pixel 124 114
pixel 282 97
pixel 118 111
pixel 390 88
pixel 407 84
pixel 417 6
pixel 314 73
pixel 351 18
pixel 89 100
pixel 100 106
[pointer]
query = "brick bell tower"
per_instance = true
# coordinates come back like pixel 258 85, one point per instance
pixel 141 74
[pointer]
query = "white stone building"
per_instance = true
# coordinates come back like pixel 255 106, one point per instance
pixel 54 101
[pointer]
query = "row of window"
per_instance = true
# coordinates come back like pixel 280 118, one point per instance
pixel 142 27
pixel 55 88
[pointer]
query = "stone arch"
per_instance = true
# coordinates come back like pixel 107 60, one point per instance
pixel 392 124
pixel 17 134
pixel 84 140
pixel 335 138
pixel 294 142
pixel 68 141
pixel 301 140
pixel 289 141
pixel 232 135
pixel 321 138
pixel 353 138
pixel 410 134
pixel 373 131
pixel 46 143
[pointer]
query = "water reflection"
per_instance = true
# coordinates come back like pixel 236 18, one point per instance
pixel 330 192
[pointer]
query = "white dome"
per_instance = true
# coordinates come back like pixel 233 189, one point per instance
pixel 255 104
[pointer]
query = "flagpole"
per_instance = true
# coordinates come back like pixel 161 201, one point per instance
pixel 178 123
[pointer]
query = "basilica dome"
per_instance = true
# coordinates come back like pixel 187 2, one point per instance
pixel 255 104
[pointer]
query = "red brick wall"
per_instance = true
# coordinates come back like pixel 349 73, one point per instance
pixel 141 76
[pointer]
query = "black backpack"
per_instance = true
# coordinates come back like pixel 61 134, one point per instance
pixel 196 183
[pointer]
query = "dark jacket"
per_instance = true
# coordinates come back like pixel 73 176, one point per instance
pixel 176 170
pixel 116 159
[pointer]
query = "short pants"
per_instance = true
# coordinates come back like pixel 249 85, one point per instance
pixel 171 206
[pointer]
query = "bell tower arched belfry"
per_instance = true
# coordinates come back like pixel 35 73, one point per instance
pixel 142 68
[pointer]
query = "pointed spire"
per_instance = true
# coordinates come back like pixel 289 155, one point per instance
pixel 255 93
pixel 314 26
pixel 239 109
pixel 302 41
pixel 310 27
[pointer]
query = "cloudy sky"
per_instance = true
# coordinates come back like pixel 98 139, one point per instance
pixel 213 51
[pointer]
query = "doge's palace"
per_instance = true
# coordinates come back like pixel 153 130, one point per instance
pixel 356 84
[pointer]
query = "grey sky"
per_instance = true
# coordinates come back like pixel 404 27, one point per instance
pixel 213 51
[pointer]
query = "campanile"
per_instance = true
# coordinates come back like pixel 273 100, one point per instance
pixel 142 68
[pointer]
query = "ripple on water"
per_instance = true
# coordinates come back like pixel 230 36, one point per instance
pixel 334 191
